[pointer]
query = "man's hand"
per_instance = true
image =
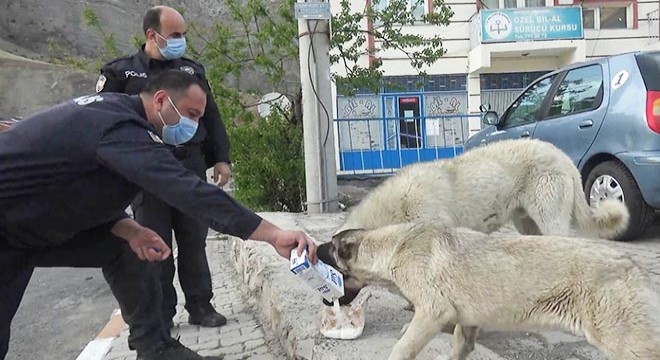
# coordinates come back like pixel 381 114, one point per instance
pixel 148 245
pixel 221 173
pixel 144 242
pixel 285 240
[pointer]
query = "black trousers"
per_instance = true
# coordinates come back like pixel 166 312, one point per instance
pixel 133 282
pixel 194 273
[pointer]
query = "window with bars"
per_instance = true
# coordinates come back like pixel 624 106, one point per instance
pixel 509 81
pixel 433 83
pixel 414 83
pixel 418 7
pixel 507 4
pixel 607 17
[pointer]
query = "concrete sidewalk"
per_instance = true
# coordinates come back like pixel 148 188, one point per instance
pixel 243 336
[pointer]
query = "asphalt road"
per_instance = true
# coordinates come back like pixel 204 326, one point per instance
pixel 62 310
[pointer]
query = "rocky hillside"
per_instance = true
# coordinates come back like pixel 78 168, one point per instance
pixel 27 86
pixel 31 24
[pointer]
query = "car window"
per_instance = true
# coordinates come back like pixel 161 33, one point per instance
pixel 526 108
pixel 649 66
pixel 581 90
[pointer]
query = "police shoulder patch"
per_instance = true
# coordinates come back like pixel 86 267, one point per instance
pixel 101 83
pixel 188 69
pixel 155 137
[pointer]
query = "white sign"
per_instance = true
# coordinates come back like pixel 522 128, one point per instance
pixel 313 10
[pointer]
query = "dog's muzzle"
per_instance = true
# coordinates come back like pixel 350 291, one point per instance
pixel 324 252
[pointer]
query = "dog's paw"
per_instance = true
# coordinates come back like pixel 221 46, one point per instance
pixel 409 307
pixel 404 328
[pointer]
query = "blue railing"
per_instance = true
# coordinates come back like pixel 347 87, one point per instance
pixel 383 145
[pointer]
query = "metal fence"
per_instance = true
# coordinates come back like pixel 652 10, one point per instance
pixel 654 26
pixel 383 145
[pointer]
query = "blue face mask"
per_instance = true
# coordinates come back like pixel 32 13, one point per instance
pixel 180 133
pixel 174 49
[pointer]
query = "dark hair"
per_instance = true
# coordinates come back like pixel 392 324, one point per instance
pixel 175 82
pixel 152 20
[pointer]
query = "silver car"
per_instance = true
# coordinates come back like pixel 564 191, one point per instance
pixel 605 114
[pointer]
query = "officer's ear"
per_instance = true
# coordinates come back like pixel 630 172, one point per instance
pixel 159 100
pixel 150 34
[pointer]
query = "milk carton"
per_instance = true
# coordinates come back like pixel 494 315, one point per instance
pixel 320 276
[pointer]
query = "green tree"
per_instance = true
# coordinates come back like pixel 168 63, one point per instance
pixel 268 164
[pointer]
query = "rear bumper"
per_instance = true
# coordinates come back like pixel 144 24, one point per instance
pixel 645 167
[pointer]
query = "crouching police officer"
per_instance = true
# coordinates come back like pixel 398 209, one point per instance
pixel 164 30
pixel 68 173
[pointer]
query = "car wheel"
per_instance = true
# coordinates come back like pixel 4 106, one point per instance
pixel 612 179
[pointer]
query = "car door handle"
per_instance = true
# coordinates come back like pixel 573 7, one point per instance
pixel 524 134
pixel 586 124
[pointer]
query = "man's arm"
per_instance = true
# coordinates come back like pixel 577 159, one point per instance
pixel 216 144
pixel 129 150
pixel 217 141
pixel 217 133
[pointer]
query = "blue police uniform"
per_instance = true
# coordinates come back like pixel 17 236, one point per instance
pixel 66 176
pixel 210 145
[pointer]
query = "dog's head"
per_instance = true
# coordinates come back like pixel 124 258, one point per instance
pixel 342 249
pixel 341 253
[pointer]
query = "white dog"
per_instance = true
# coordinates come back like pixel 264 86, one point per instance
pixel 505 282
pixel 530 182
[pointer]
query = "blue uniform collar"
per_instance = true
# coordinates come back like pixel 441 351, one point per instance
pixel 150 63
pixel 138 106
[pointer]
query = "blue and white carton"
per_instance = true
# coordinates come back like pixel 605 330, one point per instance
pixel 320 276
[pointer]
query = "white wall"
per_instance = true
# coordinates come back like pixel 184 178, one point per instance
pixel 457 39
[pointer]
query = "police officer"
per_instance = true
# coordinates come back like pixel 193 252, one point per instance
pixel 164 29
pixel 68 173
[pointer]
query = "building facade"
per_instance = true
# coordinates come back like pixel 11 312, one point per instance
pixel 494 49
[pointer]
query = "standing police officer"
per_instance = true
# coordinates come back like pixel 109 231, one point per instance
pixel 165 29
pixel 68 173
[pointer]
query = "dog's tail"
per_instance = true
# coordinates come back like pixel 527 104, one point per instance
pixel 607 220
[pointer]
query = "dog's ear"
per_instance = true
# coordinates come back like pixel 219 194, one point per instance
pixel 347 250
pixel 342 234
pixel 347 242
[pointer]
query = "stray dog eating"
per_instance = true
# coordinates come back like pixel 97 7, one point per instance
pixel 502 282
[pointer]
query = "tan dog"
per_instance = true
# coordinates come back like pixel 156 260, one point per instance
pixel 505 282
pixel 530 182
